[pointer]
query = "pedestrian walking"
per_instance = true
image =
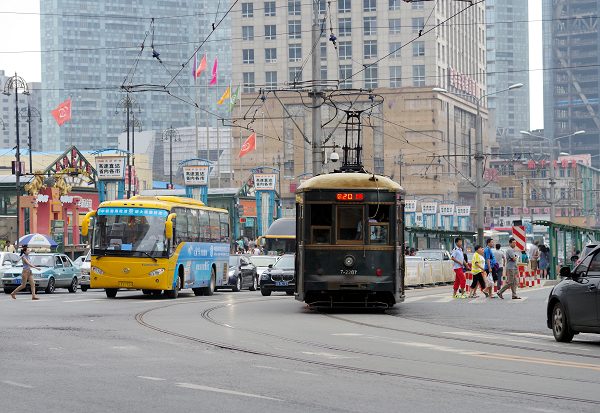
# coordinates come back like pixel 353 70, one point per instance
pixel 501 260
pixel 491 266
pixel 478 271
pixel 534 255
pixel 544 262
pixel 26 275
pixel 458 258
pixel 512 271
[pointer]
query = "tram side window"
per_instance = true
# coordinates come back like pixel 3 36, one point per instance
pixel 350 223
pixel 379 222
pixel 320 223
pixel 204 224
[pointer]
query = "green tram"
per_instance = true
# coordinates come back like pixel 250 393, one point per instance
pixel 350 240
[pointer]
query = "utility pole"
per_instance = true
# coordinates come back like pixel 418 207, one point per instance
pixel 479 158
pixel 399 161
pixel 552 181
pixel 317 154
pixel 27 114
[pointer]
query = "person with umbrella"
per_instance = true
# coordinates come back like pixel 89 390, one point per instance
pixel 26 275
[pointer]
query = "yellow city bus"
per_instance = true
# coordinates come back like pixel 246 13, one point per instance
pixel 156 244
pixel 280 237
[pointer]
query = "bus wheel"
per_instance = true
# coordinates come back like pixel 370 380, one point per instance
pixel 212 286
pixel 111 292
pixel 198 291
pixel 174 293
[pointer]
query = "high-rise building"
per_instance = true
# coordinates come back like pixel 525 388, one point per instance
pixel 507 34
pixel 92 48
pixel 7 113
pixel 572 75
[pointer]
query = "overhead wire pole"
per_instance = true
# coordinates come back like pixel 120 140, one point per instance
pixel 317 153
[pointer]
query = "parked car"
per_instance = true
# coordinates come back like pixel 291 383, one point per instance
pixel 55 271
pixel 574 303
pixel 8 260
pixel 79 260
pixel 441 264
pixel 242 274
pixel 262 262
pixel 279 277
pixel 84 278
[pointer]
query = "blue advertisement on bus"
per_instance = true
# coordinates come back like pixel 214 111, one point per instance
pixel 197 259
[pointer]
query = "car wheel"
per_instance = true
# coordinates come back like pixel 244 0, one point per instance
pixel 175 292
pixel 254 283
pixel 198 291
pixel 8 290
pixel 560 326
pixel 111 292
pixel 146 292
pixel 51 286
pixel 212 286
pixel 73 286
pixel 264 292
pixel 289 293
pixel 238 284
pixel 84 288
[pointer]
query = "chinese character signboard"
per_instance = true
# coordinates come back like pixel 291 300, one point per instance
pixel 429 208
pixel 463 211
pixel 446 210
pixel 195 175
pixel 264 182
pixel 410 205
pixel 110 167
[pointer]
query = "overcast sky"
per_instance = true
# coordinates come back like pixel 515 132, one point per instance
pixel 21 33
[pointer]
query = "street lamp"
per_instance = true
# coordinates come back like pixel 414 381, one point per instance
pixel 552 181
pixel 127 103
pixel 28 113
pixel 15 83
pixel 171 135
pixel 479 158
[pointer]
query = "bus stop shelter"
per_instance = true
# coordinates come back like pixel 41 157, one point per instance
pixel 419 237
pixel 564 240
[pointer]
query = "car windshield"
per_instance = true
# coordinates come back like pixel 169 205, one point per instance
pixel 127 231
pixel 88 257
pixel 431 255
pixel 286 261
pixel 263 260
pixel 39 261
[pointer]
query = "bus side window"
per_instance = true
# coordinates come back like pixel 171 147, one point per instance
pixel 215 226
pixel 181 225
pixel 193 230
pixel 320 223
pixel 204 226
pixel 224 219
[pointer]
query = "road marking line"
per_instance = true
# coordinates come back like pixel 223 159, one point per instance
pixel 151 378
pixel 327 355
pixel 266 367
pixel 347 334
pixel 444 300
pixel 84 301
pixel 224 391
pixel 14 383
pixel 532 335
pixel 534 360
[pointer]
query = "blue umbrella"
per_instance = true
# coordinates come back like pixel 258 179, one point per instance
pixel 37 241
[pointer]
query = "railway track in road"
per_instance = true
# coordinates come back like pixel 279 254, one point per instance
pixel 206 315
pixel 461 339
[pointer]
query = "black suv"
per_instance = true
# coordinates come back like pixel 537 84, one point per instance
pixel 574 303
pixel 279 277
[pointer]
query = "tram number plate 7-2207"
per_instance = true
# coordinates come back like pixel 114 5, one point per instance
pixel 348 272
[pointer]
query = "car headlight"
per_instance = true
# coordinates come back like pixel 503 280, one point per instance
pixel 157 271
pixel 231 272
pixel 264 276
pixel 97 270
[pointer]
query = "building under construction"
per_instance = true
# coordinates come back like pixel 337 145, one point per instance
pixel 572 75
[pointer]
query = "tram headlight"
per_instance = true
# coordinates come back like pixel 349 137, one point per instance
pixel 349 261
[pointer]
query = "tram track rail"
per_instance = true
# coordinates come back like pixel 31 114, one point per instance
pixel 206 315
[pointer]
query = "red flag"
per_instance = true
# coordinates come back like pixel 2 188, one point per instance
pixel 248 146
pixel 62 113
pixel 201 67
pixel 213 81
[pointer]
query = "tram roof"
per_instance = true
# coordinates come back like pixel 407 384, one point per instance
pixel 350 180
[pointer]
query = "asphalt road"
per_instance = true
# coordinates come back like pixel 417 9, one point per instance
pixel 241 352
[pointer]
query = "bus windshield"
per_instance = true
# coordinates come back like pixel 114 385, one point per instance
pixel 130 231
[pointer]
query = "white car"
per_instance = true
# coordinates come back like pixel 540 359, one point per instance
pixel 84 267
pixel 262 263
pixel 8 259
